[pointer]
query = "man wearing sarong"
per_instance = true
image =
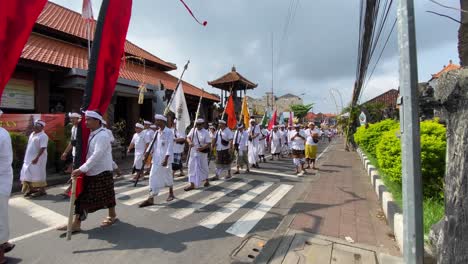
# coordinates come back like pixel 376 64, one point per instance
pixel 6 181
pixel 262 143
pixel 254 133
pixel 160 175
pixel 149 134
pixel 75 119
pixel 241 139
pixel 223 144
pixel 179 145
pixel 33 172
pixel 297 140
pixel 276 141
pixel 199 141
pixel 139 144
pixel 98 183
pixel 311 146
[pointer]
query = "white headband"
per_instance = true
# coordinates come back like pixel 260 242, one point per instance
pixel 147 122
pixel 153 126
pixel 200 121
pixel 139 125
pixel 95 115
pixel 74 115
pixel 160 117
pixel 1 112
pixel 222 122
pixel 40 122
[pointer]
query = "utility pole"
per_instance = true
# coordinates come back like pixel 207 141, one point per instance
pixel 272 76
pixel 413 240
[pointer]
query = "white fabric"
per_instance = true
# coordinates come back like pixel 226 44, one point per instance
pixel 227 135
pixel 160 117
pixel 310 140
pixel 138 125
pixel 178 148
pixel 6 158
pixel 4 227
pixel 138 140
pixel 161 176
pixel 297 143
pixel 198 161
pixel 200 120
pixel 104 122
pixel 110 135
pixel 99 155
pixel 222 122
pixel 253 144
pixel 153 126
pixel 298 162
pixel 74 131
pixel 149 134
pixel 74 115
pixel 262 142
pixel 40 122
pixel 94 115
pixel 179 107
pixel 276 142
pixel 241 138
pixel 147 122
pixel 35 172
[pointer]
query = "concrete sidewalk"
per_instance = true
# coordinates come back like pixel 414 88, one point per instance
pixel 337 219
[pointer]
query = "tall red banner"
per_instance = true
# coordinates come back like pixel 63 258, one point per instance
pixel 17 18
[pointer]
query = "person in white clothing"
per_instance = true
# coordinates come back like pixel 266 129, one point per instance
pixel 115 167
pixel 199 141
pixel 284 141
pixel 98 183
pixel 212 131
pixel 241 139
pixel 276 141
pixel 262 143
pixel 75 119
pixel 223 143
pixel 254 133
pixel 297 139
pixel 179 145
pixel 139 144
pixel 160 175
pixel 33 173
pixel 6 181
pixel 311 146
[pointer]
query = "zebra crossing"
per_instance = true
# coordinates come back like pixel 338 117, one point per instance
pixel 238 191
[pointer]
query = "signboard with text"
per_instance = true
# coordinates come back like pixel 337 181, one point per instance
pixel 18 94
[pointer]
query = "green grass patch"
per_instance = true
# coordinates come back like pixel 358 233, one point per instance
pixel 433 209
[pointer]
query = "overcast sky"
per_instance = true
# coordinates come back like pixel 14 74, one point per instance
pixel 318 53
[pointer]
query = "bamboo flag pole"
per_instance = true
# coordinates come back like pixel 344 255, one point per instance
pixel 197 114
pixel 70 212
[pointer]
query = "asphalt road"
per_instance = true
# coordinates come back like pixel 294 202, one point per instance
pixel 204 226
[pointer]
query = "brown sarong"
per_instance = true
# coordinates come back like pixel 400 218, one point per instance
pixel 98 193
pixel 223 157
pixel 298 154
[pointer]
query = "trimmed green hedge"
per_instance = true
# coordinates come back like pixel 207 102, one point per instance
pixel 387 151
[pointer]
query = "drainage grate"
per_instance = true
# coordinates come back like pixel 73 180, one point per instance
pixel 249 249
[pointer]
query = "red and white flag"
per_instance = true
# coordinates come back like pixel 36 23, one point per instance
pixel 87 12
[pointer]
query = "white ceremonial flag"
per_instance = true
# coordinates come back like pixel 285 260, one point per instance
pixel 179 108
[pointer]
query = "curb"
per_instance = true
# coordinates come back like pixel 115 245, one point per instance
pixel 392 211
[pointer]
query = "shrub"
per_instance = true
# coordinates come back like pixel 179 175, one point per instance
pixel 19 143
pixel 433 147
pixel 368 137
pixel 51 153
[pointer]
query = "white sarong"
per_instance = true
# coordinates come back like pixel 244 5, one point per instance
pixel 160 177
pixel 197 168
pixel 253 152
pixel 261 147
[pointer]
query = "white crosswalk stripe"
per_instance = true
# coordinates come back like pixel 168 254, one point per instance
pixel 243 226
pixel 216 218
pixel 140 199
pixel 184 212
pixel 40 213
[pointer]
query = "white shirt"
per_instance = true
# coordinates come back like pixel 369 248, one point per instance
pixel 149 134
pixel 241 138
pixel 225 134
pixel 254 131
pixel 263 134
pixel 164 146
pixel 109 134
pixel 74 130
pixel 138 141
pixel 99 156
pixel 284 136
pixel 310 140
pixel 178 148
pixel 6 158
pixel 199 138
pixel 297 143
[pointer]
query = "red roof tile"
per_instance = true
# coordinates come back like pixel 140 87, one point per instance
pixel 449 67
pixel 65 20
pixel 56 52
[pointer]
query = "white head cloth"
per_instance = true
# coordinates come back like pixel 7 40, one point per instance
pixel 252 120
pixel 39 122
pixel 153 126
pixel 95 115
pixel 139 125
pixel 1 112
pixel 200 121
pixel 222 121
pixel 74 115
pixel 147 122
pixel 160 117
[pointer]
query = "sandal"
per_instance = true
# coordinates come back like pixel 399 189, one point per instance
pixel 189 188
pixel 38 194
pixel 207 184
pixel 146 203
pixel 109 221
pixel 65 227
pixel 170 198
pixel 7 247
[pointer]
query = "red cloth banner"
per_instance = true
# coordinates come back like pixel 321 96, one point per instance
pixel 272 121
pixel 23 123
pixel 17 19
pixel 231 112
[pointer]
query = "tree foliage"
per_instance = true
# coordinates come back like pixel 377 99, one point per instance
pixel 300 110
